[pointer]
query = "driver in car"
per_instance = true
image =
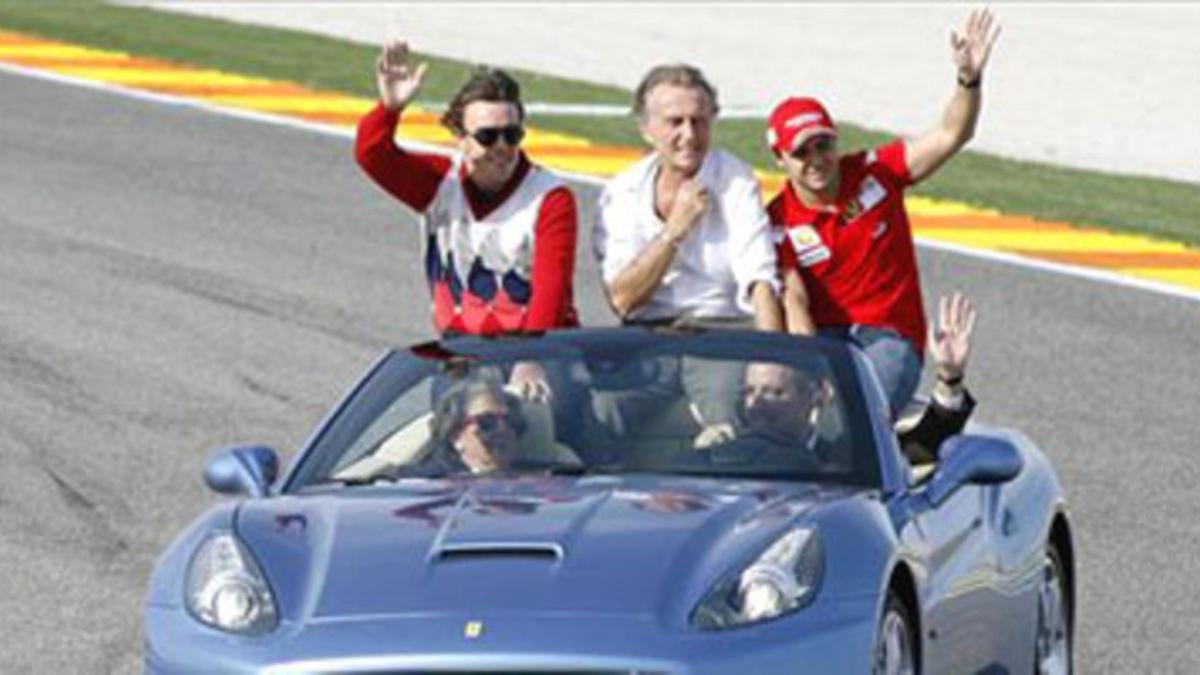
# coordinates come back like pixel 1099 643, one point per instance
pixel 781 404
pixel 477 426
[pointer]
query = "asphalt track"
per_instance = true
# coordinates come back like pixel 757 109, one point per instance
pixel 175 280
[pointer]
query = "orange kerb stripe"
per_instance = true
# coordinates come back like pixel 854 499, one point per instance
pixel 1117 259
pixel 597 151
pixel 345 119
pixel 203 90
pixel 15 39
pixel 52 62
pixel 419 118
pixel 351 119
pixel 986 222
pixel 771 185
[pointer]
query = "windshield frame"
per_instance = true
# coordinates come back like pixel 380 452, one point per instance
pixel 401 369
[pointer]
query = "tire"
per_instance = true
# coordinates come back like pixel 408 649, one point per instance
pixel 1053 650
pixel 895 651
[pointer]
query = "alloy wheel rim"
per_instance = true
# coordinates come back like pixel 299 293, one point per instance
pixel 1053 636
pixel 894 655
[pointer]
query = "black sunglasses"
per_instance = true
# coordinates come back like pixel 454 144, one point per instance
pixel 487 136
pixel 491 421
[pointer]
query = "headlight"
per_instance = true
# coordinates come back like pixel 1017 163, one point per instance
pixel 226 590
pixel 783 579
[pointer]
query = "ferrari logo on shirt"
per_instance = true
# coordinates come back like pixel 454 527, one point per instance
pixel 807 243
pixel 473 630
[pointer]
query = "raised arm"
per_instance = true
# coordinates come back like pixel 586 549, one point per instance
pixel 970 50
pixel 952 404
pixel 951 347
pixel 398 82
pixel 413 178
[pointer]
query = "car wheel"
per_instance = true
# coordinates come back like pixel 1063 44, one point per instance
pixel 1052 655
pixel 895 652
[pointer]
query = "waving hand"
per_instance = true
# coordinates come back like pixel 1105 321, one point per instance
pixel 951 343
pixel 398 82
pixel 974 45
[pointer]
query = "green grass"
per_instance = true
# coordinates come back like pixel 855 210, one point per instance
pixel 1163 208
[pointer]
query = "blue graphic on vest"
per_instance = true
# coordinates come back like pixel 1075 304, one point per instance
pixel 452 281
pixel 482 281
pixel 518 289
pixel 433 261
pixel 435 271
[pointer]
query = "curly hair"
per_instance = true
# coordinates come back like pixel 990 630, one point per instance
pixel 484 84
pixel 678 74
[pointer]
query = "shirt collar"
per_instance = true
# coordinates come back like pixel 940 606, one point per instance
pixel 482 203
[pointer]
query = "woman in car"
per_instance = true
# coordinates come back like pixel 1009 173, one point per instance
pixel 476 428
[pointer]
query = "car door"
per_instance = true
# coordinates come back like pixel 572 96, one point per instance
pixel 958 613
pixel 1012 518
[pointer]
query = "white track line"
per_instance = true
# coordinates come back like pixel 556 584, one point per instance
pixel 1088 273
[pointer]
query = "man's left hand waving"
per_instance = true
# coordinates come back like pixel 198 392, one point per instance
pixel 974 45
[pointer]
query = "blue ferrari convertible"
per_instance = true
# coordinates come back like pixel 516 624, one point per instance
pixel 621 501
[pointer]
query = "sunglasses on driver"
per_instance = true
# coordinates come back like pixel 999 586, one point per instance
pixel 488 422
pixel 487 136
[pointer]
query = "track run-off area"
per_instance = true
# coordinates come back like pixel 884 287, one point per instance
pixel 176 280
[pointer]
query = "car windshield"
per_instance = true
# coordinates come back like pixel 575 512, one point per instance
pixel 735 405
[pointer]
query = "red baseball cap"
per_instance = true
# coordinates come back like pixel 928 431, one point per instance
pixel 794 121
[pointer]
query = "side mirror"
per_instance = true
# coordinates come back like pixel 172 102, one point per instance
pixel 242 470
pixel 976 460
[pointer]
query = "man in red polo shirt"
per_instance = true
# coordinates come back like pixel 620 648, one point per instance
pixel 843 239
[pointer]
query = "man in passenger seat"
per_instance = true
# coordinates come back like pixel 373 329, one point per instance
pixel 780 403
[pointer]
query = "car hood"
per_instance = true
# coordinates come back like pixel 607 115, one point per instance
pixel 634 545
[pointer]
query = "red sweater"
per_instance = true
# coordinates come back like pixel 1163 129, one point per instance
pixel 495 263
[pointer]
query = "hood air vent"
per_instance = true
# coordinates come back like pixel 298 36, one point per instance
pixel 530 551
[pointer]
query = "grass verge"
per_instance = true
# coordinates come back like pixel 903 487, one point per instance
pixel 1152 206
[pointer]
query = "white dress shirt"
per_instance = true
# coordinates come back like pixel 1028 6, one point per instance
pixel 715 266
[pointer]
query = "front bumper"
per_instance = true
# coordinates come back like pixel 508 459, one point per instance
pixel 823 638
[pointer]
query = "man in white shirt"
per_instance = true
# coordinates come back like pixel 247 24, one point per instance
pixel 682 234
pixel 682 237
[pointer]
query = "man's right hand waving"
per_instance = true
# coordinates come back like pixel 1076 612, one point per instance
pixel 398 82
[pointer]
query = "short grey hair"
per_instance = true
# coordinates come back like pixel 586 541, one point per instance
pixel 678 74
